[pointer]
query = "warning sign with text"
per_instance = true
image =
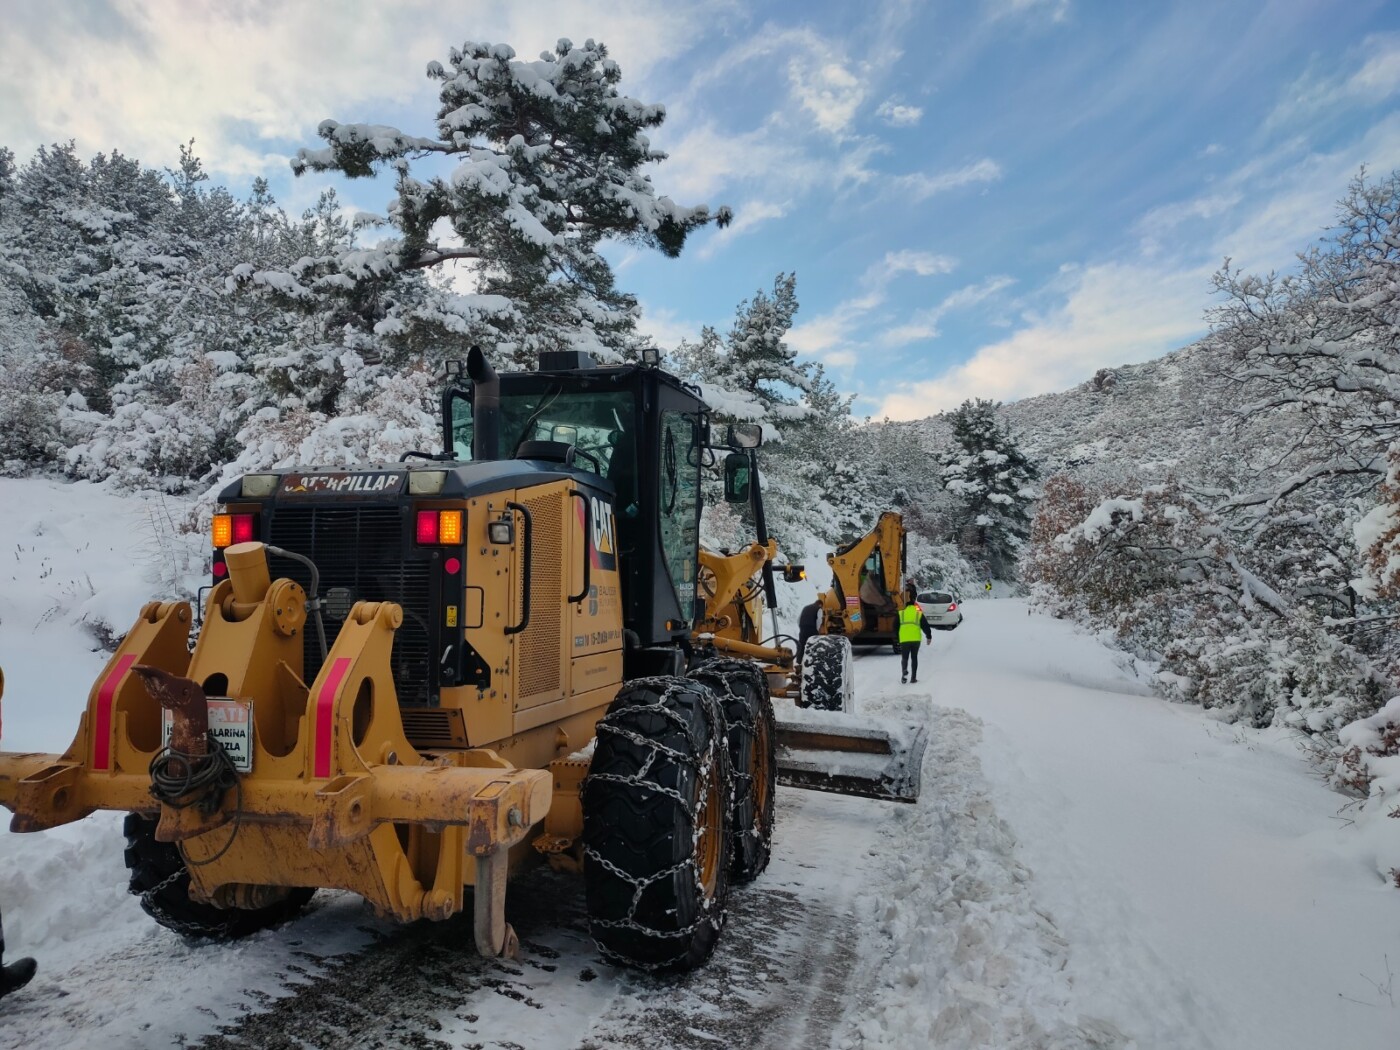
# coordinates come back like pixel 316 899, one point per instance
pixel 231 724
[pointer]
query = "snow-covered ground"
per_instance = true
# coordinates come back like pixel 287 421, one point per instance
pixel 1088 867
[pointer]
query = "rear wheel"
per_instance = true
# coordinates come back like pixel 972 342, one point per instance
pixel 159 877
pixel 656 842
pixel 742 689
pixel 827 679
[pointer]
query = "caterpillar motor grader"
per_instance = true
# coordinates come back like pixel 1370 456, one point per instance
pixel 411 680
pixel 867 584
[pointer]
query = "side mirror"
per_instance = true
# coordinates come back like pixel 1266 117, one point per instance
pixel 738 477
pixel 565 433
pixel 744 435
pixel 794 573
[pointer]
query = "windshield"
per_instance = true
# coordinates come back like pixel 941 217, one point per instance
pixel 599 424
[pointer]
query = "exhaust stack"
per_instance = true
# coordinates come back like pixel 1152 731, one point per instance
pixel 486 406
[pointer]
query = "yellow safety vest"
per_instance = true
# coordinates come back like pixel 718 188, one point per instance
pixel 909 622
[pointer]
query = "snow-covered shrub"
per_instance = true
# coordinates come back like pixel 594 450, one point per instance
pixel 1378 536
pixel 1052 570
pixel 169 428
pixel 1368 755
pixel 941 566
pixel 1368 763
pixel 1159 570
pixel 392 414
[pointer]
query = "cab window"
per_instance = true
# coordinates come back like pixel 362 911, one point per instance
pixel 680 504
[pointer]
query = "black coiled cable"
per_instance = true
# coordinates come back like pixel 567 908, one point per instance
pixel 204 781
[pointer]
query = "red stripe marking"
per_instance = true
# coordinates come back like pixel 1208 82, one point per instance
pixel 102 734
pixel 325 710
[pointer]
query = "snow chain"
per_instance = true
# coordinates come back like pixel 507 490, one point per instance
pixel 704 769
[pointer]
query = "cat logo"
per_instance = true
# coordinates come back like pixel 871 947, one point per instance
pixel 602 544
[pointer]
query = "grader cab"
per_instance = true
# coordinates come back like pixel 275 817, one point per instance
pixel 411 680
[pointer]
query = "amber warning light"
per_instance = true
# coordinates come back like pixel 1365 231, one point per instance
pixel 439 527
pixel 228 529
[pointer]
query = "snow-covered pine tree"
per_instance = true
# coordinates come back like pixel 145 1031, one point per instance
pixel 993 479
pixel 548 164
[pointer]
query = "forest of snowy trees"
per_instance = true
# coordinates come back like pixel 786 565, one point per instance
pixel 158 333
pixel 1230 514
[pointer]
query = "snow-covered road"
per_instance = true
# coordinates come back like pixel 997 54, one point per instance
pixel 1088 867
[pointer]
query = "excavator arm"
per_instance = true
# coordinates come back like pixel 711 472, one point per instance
pixel 842 604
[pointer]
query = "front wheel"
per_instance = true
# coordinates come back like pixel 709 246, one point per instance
pixel 828 681
pixel 159 877
pixel 656 841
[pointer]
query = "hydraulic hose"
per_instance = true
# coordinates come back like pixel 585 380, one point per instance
pixel 313 599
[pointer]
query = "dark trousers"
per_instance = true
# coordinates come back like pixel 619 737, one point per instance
pixel 909 659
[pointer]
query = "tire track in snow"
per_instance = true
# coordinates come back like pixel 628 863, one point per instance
pixel 972 960
pixel 780 977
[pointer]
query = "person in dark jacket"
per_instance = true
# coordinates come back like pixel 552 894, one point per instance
pixel 807 626
pixel 18 973
pixel 911 622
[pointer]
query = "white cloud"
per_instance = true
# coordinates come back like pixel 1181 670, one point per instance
pixel 1056 10
pixel 925 264
pixel 707 160
pixel 1315 95
pixel 145 75
pixel 1261 215
pixel 897 114
pixel 1113 314
pixel 828 90
pixel 667 331
pixel 1168 217
pixel 920 186
pixel 747 217
pixel 923 324
pixel 821 336
pixel 1289 200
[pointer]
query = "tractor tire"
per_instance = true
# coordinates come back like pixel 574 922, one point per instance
pixel 656 842
pixel 742 689
pixel 827 676
pixel 159 877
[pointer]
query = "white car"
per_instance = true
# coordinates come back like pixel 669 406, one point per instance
pixel 942 610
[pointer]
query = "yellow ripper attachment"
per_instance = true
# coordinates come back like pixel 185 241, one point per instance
pixel 331 793
pixel 851 760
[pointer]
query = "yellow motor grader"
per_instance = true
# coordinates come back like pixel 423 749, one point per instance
pixel 409 681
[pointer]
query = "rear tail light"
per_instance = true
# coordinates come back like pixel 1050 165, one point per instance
pixel 952 606
pixel 439 528
pixel 228 529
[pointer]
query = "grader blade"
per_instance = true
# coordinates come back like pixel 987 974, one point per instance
pixel 850 760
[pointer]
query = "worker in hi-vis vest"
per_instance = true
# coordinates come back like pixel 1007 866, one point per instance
pixel 911 622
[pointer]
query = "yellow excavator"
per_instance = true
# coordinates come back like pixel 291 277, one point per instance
pixel 867 585
pixel 812 753
pixel 410 680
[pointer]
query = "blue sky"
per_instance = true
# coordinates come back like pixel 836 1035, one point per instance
pixel 982 198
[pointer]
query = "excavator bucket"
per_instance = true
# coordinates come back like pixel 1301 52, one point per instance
pixel 851 760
